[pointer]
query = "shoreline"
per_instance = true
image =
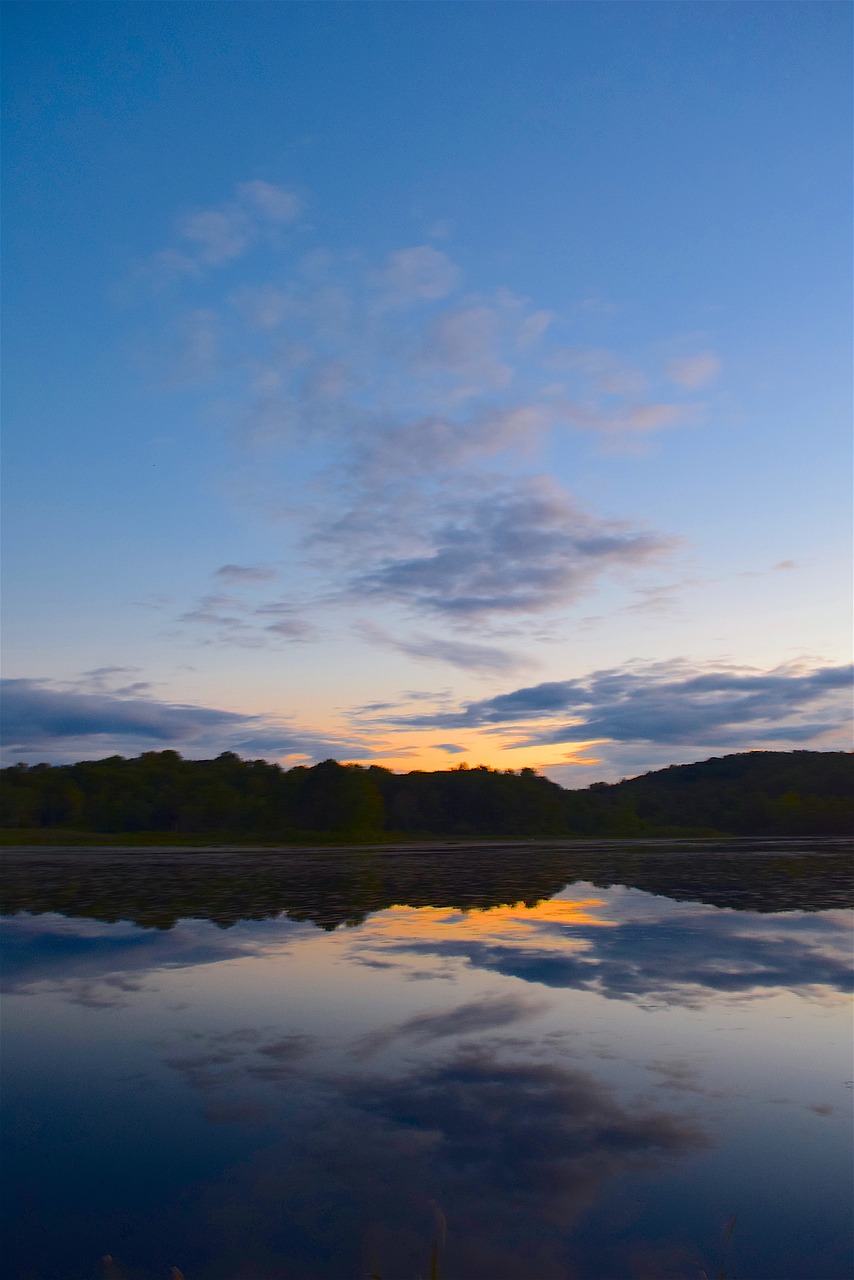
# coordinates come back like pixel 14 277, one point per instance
pixel 726 844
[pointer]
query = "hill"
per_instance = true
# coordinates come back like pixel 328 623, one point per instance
pixel 754 793
pixel 775 793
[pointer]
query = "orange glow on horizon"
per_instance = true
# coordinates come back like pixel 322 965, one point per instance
pixel 403 751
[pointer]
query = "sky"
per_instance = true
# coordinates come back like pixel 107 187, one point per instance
pixel 420 384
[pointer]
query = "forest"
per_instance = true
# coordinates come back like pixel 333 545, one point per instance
pixel 230 800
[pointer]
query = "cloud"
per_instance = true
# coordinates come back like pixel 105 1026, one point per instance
pixel 612 402
pixel 633 420
pixel 239 573
pixel 470 657
pixel 412 451
pixel 522 549
pixel 420 274
pixel 605 369
pixel 457 653
pixel 234 621
pixel 217 236
pixel 43 721
pixel 292 629
pixel 196 355
pixel 271 202
pixel 99 675
pixel 442 229
pixel 466 340
pixel 264 307
pixel 33 710
pixel 696 371
pixel 102 679
pixel 401 423
pixel 669 703
pixel 216 609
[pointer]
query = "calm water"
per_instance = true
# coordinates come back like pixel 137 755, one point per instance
pixel 611 1061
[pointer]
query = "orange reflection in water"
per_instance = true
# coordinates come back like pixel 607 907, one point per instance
pixel 524 924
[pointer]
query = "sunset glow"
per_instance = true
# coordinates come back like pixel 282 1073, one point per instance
pixel 438 383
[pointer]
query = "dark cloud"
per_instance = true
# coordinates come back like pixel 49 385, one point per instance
pixel 519 549
pixel 41 720
pixel 669 703
pixel 35 711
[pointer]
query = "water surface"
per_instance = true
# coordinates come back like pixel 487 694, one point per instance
pixel 600 1061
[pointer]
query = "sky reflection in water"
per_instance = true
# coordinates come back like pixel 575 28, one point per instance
pixel 589 1087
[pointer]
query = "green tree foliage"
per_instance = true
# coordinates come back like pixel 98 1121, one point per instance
pixel 796 793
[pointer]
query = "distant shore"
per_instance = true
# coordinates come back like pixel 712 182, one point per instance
pixel 84 842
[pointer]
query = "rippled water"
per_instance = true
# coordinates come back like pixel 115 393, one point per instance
pixel 609 1061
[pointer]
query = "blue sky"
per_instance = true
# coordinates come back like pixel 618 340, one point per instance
pixel 417 383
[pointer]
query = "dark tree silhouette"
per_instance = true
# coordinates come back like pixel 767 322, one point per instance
pixel 794 793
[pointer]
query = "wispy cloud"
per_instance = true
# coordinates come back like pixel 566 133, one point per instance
pixel 631 419
pixel 419 274
pixel 215 609
pixel 100 679
pixel 233 620
pixel 457 653
pixel 240 573
pixel 604 370
pixel 195 348
pixel 694 371
pixel 212 237
pixel 292 629
pixel 399 421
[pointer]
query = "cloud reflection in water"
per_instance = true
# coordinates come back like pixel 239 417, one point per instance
pixel 514 1151
pixel 338 1100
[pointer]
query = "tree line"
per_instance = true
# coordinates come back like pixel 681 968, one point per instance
pixel 756 793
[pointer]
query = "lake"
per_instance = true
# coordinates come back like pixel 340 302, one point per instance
pixel 523 1062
